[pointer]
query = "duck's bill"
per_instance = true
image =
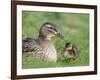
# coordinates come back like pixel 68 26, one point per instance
pixel 60 36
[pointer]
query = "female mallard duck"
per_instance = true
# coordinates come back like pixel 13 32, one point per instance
pixel 70 51
pixel 42 46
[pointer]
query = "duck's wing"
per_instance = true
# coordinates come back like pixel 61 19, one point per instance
pixel 29 45
pixel 76 53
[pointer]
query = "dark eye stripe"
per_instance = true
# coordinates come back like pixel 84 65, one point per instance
pixel 53 28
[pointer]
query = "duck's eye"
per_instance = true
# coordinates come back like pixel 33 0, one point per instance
pixel 52 29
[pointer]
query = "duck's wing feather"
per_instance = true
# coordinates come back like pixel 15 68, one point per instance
pixel 75 52
pixel 29 45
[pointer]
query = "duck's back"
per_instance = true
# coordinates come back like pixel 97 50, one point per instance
pixel 29 45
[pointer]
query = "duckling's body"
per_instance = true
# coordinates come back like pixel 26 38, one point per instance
pixel 42 47
pixel 70 51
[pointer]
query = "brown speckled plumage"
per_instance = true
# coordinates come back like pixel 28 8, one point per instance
pixel 70 51
pixel 42 46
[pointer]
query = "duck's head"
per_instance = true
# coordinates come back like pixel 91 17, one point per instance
pixel 49 30
pixel 71 50
pixel 69 46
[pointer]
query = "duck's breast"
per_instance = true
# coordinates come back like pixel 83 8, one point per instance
pixel 50 52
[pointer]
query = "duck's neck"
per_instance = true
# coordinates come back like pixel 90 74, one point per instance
pixel 44 38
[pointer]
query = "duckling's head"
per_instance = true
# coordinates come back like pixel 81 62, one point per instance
pixel 68 46
pixel 49 30
pixel 70 51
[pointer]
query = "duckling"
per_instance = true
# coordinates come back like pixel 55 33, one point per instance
pixel 70 51
pixel 42 46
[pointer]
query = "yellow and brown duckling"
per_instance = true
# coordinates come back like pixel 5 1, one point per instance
pixel 70 51
pixel 43 46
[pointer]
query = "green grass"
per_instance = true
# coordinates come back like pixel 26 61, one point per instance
pixel 74 27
